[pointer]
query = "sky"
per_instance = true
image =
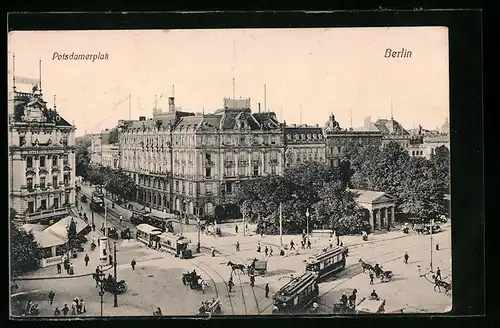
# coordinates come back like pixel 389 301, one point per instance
pixel 307 73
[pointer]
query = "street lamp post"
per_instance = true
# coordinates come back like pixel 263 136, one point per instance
pixel 198 246
pixel 115 304
pixel 431 228
pixel 307 222
pixel 281 225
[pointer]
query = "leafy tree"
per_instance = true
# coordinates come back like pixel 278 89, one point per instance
pixel 25 253
pixel 441 161
pixel 119 183
pixel 71 233
pixel 82 156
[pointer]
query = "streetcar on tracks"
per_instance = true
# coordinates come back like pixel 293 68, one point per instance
pixel 175 244
pixel 328 262
pixel 162 221
pixel 148 235
pixel 97 203
pixel 297 294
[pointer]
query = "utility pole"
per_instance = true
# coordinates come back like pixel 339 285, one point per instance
pixel 281 225
pixel 115 304
pixel 431 228
pixel 307 222
pixel 244 227
pixel 105 220
pixel 198 247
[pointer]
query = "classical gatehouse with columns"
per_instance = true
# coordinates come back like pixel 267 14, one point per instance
pixel 380 205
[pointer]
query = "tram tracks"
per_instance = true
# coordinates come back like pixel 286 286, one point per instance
pixel 345 271
pixel 213 281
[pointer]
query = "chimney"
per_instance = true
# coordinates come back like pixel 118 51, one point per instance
pixel 171 104
pixel 259 107
pixel 142 118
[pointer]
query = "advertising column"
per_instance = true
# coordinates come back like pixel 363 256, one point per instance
pixel 103 251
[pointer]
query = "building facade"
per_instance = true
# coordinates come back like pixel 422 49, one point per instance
pixel 336 139
pixel 304 143
pixel 95 149
pixel 41 160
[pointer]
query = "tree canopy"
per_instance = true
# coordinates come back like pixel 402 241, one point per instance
pixel 417 183
pixel 310 187
pixel 82 156
pixel 25 253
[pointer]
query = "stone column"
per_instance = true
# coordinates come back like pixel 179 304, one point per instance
pixel 392 213
pixel 61 168
pixel 36 166
pixel 387 220
pixel 372 221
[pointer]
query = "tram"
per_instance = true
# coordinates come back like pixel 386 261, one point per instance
pixel 173 243
pixel 148 235
pixel 328 262
pixel 162 221
pixel 97 203
pixel 297 294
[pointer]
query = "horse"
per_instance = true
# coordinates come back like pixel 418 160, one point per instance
pixel 366 266
pixel 235 267
pixel 440 283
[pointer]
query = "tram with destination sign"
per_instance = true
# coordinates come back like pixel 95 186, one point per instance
pixel 297 294
pixel 328 262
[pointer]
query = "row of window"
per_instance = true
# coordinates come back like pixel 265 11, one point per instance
pixel 417 152
pixel 42 161
pixel 44 204
pixel 22 141
pixel 43 182
pixel 304 136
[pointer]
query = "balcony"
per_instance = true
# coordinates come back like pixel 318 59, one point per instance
pixel 46 214
pixel 228 163
pixel 255 161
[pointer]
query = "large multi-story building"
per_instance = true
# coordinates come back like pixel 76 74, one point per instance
pixel 336 139
pixel 41 160
pixel 192 162
pixel 95 149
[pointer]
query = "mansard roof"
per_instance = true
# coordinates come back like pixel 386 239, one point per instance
pixel 390 127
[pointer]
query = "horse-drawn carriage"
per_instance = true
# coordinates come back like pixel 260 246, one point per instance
pixel 110 285
pixel 257 267
pixel 194 281
pixel 210 306
pixel 384 275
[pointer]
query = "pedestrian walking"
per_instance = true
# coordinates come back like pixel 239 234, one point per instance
pixel 252 281
pixel 133 263
pixel 338 240
pixel 237 246
pixel 51 297
pixel 230 284
pixel 57 312
pixel 246 227
pixel 371 277
pixel 213 251
pixel 58 268
pixel 82 307
pixel 302 244
pixel 309 243
pixel 270 251
pixel 266 250
pixel 110 259
pixel 73 307
pixel 87 259
pixel 93 227
pixel 341 244
pixel 438 274
pixel 292 244
pixel 121 218
pixel 258 247
pixel 406 258
pixel 65 310
pixel 236 228
pixel 71 271
pixel 267 290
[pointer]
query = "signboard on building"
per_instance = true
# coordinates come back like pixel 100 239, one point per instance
pixel 103 251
